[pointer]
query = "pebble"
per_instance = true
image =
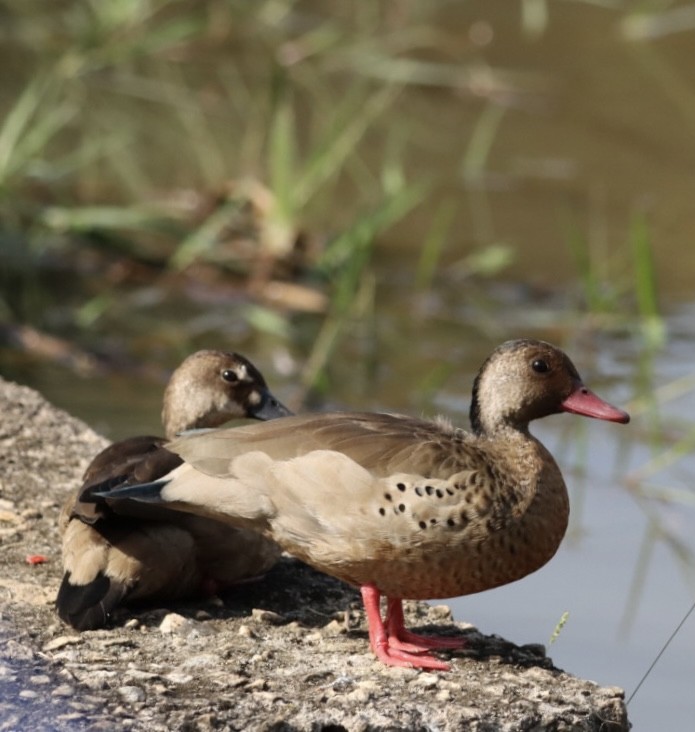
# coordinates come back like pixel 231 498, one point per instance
pixel 178 677
pixel 64 690
pixel 117 641
pixel 70 655
pixel 333 628
pixel 18 651
pixel 61 641
pixel 206 722
pixel 70 717
pixel 202 660
pixel 98 679
pixel 81 706
pixel 268 616
pixel 131 694
pixel 140 675
pixel 30 513
pixel 245 632
pixel 175 623
pixel 343 684
pixel 27 694
pixel 359 695
pixel 365 690
pixel 426 680
pixel 266 696
pixel 132 624
pixel 399 672
pixel 370 684
pixel 537 674
pixel 235 680
pixel 511 678
pixel 39 679
pixel 261 657
pixel 441 612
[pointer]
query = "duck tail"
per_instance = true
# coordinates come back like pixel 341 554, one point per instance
pixel 88 606
pixel 143 492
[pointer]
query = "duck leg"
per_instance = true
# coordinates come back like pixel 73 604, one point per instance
pixel 396 653
pixel 400 637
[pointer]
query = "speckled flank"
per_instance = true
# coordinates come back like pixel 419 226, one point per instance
pixel 477 529
pixel 419 509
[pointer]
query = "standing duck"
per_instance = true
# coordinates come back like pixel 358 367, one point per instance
pixel 135 552
pixel 398 506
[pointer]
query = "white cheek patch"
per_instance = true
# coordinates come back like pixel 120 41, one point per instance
pixel 254 398
pixel 242 372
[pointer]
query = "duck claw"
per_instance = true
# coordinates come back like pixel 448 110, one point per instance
pixel 391 655
pixel 413 642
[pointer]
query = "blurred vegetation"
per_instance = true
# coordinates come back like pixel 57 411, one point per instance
pixel 253 147
pixel 247 146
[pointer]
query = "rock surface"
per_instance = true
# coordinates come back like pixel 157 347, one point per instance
pixel 288 652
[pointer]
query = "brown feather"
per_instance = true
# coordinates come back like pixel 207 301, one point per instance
pixel 138 552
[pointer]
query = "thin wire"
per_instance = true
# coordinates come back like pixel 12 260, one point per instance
pixel 660 654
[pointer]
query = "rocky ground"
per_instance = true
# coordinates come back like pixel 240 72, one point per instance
pixel 285 653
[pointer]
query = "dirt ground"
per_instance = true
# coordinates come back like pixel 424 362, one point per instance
pixel 288 652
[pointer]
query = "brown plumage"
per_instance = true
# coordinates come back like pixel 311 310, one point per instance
pixel 399 506
pixel 138 552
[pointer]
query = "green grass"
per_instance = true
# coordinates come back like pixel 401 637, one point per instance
pixel 347 264
pixel 558 628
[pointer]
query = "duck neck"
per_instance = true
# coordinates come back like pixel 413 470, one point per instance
pixel 187 411
pixel 492 418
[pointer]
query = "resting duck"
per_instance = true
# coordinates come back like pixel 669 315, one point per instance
pixel 398 506
pixel 151 553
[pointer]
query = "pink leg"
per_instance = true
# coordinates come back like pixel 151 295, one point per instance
pixel 392 655
pixel 400 637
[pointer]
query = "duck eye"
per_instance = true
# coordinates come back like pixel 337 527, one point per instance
pixel 231 376
pixel 540 366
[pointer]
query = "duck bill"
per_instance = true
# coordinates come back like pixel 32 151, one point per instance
pixel 269 408
pixel 584 401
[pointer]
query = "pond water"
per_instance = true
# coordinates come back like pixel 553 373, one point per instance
pixel 591 112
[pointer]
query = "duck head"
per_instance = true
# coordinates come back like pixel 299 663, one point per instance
pixel 526 379
pixel 213 387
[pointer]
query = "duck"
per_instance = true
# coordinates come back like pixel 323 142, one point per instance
pixel 119 555
pixel 400 507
